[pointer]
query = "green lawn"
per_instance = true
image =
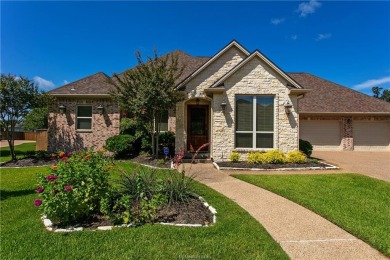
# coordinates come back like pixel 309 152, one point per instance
pixel 21 151
pixel 358 204
pixel 235 236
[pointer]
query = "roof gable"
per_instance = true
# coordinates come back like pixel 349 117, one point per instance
pixel 232 44
pixel 291 83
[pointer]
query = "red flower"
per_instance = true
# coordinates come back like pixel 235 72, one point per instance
pixel 68 188
pixel 51 177
pixel 38 202
pixel 40 189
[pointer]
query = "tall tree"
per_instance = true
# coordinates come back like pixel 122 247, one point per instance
pixel 378 93
pixel 18 95
pixel 148 90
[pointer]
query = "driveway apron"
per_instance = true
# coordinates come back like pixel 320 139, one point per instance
pixel 301 233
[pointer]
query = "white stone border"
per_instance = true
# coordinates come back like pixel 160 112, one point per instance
pixel 49 225
pixel 329 167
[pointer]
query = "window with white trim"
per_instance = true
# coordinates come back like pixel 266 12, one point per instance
pixel 84 118
pixel 254 121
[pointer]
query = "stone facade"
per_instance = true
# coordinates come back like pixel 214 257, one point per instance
pixel 254 78
pixel 62 132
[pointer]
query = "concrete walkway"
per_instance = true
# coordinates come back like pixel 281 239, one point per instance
pixel 301 233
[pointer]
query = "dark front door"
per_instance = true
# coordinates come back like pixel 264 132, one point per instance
pixel 197 127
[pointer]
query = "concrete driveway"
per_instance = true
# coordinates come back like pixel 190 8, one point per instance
pixel 373 164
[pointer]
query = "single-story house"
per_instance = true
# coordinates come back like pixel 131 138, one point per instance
pixel 237 100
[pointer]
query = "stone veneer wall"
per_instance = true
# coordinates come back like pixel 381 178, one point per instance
pixel 203 80
pixel 254 79
pixel 62 133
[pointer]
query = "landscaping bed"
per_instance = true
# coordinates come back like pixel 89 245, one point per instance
pixel 245 165
pixel 29 162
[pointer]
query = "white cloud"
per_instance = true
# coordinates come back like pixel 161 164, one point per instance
pixel 277 21
pixel 310 7
pixel 65 82
pixel 323 36
pixel 43 83
pixel 294 37
pixel 372 83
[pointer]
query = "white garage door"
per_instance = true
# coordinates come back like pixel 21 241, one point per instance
pixel 323 135
pixel 368 135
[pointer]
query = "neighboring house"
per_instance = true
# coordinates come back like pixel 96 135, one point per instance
pixel 238 101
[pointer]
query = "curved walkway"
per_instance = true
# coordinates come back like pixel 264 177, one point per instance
pixel 301 233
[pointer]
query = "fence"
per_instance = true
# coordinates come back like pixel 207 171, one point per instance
pixel 40 136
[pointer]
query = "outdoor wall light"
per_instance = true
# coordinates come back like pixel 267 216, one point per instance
pixel 100 110
pixel 287 107
pixel 62 109
pixel 223 106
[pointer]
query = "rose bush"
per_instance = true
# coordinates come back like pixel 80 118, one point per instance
pixel 75 187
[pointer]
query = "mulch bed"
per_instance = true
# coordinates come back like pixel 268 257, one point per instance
pixel 191 212
pixel 29 161
pixel 246 165
pixel 148 160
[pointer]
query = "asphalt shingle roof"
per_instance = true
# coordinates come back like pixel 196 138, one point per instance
pixel 100 83
pixel 328 97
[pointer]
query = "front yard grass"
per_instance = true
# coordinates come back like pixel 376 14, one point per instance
pixel 235 236
pixel 21 151
pixel 356 203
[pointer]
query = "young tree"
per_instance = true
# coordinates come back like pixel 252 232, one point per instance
pixel 148 90
pixel 18 95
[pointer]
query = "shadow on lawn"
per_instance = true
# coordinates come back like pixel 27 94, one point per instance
pixel 5 194
pixel 7 153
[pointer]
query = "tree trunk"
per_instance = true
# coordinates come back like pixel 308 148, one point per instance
pixel 11 142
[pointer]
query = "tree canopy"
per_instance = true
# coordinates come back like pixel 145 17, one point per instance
pixel 378 93
pixel 148 90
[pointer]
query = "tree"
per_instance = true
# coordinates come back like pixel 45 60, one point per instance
pixel 148 90
pixel 37 118
pixel 18 96
pixel 378 93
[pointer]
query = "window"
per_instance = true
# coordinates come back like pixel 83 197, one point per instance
pixel 84 118
pixel 163 124
pixel 254 121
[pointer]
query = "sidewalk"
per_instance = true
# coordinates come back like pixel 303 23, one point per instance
pixel 301 233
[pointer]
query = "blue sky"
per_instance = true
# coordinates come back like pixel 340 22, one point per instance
pixel 59 42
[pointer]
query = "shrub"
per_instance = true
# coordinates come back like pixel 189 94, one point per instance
pixel 167 139
pixel 234 157
pixel 274 157
pixel 256 158
pixel 75 187
pixel 296 157
pixel 120 144
pixel 306 147
pixel 178 187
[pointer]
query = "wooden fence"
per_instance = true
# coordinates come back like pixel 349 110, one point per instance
pixel 40 136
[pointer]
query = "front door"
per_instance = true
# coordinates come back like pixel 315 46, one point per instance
pixel 197 127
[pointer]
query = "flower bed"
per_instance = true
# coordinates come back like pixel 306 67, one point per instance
pixel 77 194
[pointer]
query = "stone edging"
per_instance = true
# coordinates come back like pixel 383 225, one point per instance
pixel 329 167
pixel 49 225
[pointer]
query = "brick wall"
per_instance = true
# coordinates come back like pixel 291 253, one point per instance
pixel 62 133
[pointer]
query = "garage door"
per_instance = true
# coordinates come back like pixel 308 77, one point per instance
pixel 323 135
pixel 368 135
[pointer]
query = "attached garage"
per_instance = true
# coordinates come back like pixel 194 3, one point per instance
pixel 322 134
pixel 368 135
